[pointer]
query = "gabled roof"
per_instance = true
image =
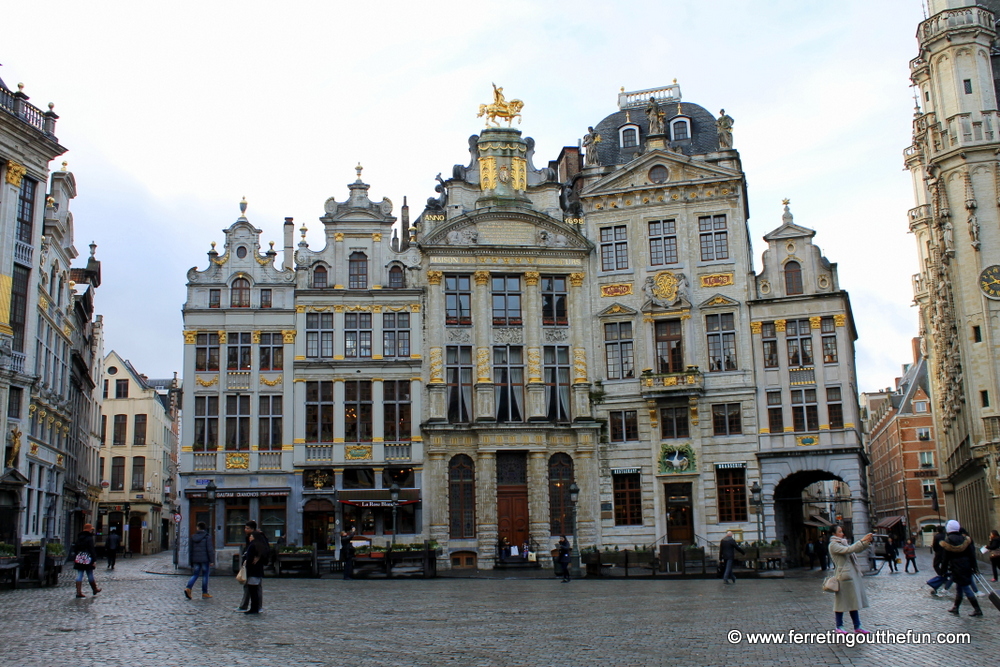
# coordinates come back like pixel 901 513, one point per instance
pixel 633 175
pixel 788 229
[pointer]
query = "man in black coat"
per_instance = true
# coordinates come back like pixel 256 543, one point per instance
pixel 347 551
pixel 960 559
pixel 249 529
pixel 111 548
pixel 727 553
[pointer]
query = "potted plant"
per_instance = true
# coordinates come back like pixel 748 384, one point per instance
pixel 6 552
pixel 377 552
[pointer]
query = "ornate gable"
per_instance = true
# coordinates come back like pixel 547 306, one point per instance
pixel 719 301
pixel 680 171
pixel 617 309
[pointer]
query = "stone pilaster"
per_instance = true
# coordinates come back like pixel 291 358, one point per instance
pixel 538 498
pixel 482 318
pixel 435 490
pixel 486 508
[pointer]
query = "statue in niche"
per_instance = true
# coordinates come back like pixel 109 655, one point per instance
pixel 590 141
pixel 655 116
pixel 948 232
pixel 724 125
pixel 974 228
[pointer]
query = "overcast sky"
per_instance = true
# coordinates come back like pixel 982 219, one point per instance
pixel 173 113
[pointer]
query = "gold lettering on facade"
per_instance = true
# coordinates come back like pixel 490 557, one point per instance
pixel 617 289
pixel 717 280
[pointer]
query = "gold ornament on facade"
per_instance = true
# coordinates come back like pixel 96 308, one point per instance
pixel 255 337
pixel 190 337
pixel 14 438
pixel 33 449
pixel 237 461
pixel 840 319
pixel 415 308
pixel 207 383
pixel 488 173
pixel 576 279
pixel 221 260
pixel 60 459
pixel 534 365
pixel 531 278
pixel 779 325
pixel 15 172
pixel 376 237
pixel 43 303
pixel 520 166
pixel 222 337
pixel 358 452
pixel 580 364
pixel 483 364
pixel 288 335
pixel 270 383
pixel 500 108
pixel 436 365
pixel 755 327
pixel 338 237
pixel 482 277
pixel 815 322
pixel 434 277
pixel 339 308
pixel 300 309
pixel 666 286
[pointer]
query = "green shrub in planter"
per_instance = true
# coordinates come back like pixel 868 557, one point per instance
pixel 55 549
pixel 6 550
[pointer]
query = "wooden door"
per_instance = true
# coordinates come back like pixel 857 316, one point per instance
pixel 135 535
pixel 512 514
pixel 680 513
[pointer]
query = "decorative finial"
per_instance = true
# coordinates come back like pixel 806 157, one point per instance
pixel 786 217
pixel 64 165
pixel 20 87
pixel 303 232
pixel 358 169
pixel 213 246
pixel 622 89
pixel 243 207
pixel 675 81
pixel 786 201
pixel 679 112
pixel 93 248
pixel 50 202
pixel 628 118
pixel 271 243
pixel 52 105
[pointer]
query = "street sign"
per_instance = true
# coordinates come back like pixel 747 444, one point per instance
pixel 177 518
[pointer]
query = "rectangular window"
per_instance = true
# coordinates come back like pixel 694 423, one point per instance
pixel 926 459
pixel 121 388
pixel 269 423
pixel 265 298
pixel 923 434
pixel 920 406
pixel 624 425
pixel 714 237
pixel 139 430
pixel 272 351
pixel 769 339
pixel 727 419
pixel 508 383
pixel 928 486
pixel 731 486
pixel 237 422
pixel 805 415
pixel 662 242
pixel 319 335
pixel 104 430
pixel 798 338
pixel 357 411
pixel 238 351
pixel 319 411
pixel 206 352
pixel 26 210
pixel 834 407
pixel 206 423
pixel 396 410
pixel 19 304
pixel 396 335
pixel 674 422
pixel 106 388
pixel 14 399
pixel 555 367
pixel 614 248
pixel 458 300
pixel 829 331
pixel 984 398
pixel 967 84
pixel 138 473
pixel 669 354
pixel 775 417
pixel 554 296
pixel 358 335
pixel 619 350
pixel 121 425
pixel 721 342
pixel 214 298
pixel 628 499
pixel 506 300
pixel 977 334
pixel 118 473
pixel 458 370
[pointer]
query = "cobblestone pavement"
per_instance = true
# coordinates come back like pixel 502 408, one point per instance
pixel 142 618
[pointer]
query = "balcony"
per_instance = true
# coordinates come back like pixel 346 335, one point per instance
pixel 401 452
pixel 657 385
pixel 317 453
pixel 205 461
pixel 238 380
pixel 23 253
pixel 17 362
pixel 269 461
pixel 919 286
pixel 965 18
pixel 16 104
pixel 919 214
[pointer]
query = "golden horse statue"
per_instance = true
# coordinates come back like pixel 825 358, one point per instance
pixel 509 110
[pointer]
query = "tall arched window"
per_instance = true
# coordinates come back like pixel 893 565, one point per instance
pixel 396 278
pixel 357 271
pixel 462 497
pixel 240 293
pixel 793 278
pixel 560 508
pixel 319 277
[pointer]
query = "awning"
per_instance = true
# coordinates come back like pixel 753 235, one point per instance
pixel 888 522
pixel 821 521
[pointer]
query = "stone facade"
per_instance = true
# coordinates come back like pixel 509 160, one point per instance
pixel 956 222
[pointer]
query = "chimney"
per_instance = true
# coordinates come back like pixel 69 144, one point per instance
pixel 404 220
pixel 289 237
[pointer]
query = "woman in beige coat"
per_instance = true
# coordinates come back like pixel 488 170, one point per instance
pixel 851 596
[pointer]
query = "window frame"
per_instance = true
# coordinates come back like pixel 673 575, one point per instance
pixel 731 494
pixel 556 368
pixel 239 351
pixel 269 422
pixel 237 435
pixel 614 248
pixel 799 345
pixel 623 426
pixel 459 380
pixel 320 277
pixel 618 349
pixel 319 411
pixel 396 335
pixel 461 497
pixel 676 417
pixel 560 478
pixel 555 301
pixel 358 335
pixel 508 384
pixel 206 424
pixel 357 270
pixel 506 299
pixel 139 424
pixel 206 352
pixel 662 242
pixel 835 407
pixel 792 276
pixel 397 403
pixel 668 342
pixel 713 236
pixel 320 331
pixel 626 490
pixel 271 351
pixel 727 419
pixel 720 331
pixel 239 293
pixel 359 424
pixel 805 411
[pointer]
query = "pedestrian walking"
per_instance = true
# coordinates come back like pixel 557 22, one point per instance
pixel 256 557
pixel 940 577
pixel 960 558
pixel 851 595
pixel 891 554
pixel 347 552
pixel 993 550
pixel 111 548
pixel 811 553
pixel 201 555
pixel 910 552
pixel 727 553
pixel 249 528
pixel 823 551
pixel 84 560
pixel 563 557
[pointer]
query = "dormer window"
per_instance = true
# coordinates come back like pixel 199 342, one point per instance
pixel 319 277
pixel 396 277
pixel 793 278
pixel 680 129
pixel 628 136
pixel 240 293
pixel 357 271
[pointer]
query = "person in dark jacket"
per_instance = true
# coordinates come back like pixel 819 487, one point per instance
pixel 111 548
pixel 823 552
pixel 563 557
pixel 993 550
pixel 910 552
pixel 960 559
pixel 256 557
pixel 727 553
pixel 940 577
pixel 201 555
pixel 347 551
pixel 84 549
pixel 891 554
pixel 249 529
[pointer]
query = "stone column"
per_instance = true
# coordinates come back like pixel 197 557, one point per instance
pixel 435 501
pixel 377 341
pixel 532 317
pixel 578 349
pixel 586 475
pixel 338 274
pixel 338 336
pixel 482 318
pixel 416 326
pixel 433 335
pixel 539 528
pixel 375 264
pixel 486 507
pixel 290 421
pixel 339 423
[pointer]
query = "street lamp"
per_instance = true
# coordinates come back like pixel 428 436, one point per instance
pixel 574 557
pixel 210 495
pixel 756 497
pixel 394 497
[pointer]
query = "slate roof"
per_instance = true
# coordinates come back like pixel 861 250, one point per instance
pixel 704 139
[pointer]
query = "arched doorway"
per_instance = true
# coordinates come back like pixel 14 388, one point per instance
pixel 319 524
pixel 807 504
